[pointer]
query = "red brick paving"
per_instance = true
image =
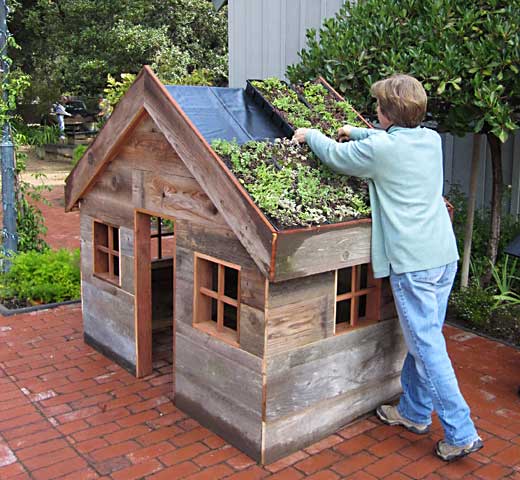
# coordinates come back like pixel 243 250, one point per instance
pixel 66 412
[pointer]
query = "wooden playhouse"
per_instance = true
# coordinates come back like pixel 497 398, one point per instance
pixel 260 354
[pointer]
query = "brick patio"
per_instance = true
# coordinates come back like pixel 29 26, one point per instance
pixel 67 412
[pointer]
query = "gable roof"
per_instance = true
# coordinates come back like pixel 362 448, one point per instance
pixel 279 255
pixel 149 96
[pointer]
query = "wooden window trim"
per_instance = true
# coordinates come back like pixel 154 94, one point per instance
pixel 215 329
pixel 107 275
pixel 372 292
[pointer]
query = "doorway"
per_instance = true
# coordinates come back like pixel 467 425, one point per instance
pixel 154 292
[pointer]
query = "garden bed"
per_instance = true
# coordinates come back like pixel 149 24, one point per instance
pixel 501 326
pixel 10 307
pixel 286 180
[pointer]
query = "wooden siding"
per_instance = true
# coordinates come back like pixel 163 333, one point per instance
pixel 314 390
pixel 221 386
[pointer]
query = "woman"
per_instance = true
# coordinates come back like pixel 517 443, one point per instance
pixel 414 244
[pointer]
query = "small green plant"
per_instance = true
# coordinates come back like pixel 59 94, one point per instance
pixel 115 89
pixel 77 153
pixel 37 135
pixel 505 280
pixel 42 277
pixel 325 113
pixel 291 186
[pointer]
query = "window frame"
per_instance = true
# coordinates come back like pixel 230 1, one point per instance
pixel 372 293
pixel 200 292
pixel 107 274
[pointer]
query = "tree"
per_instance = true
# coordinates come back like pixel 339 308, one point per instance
pixel 73 45
pixel 466 53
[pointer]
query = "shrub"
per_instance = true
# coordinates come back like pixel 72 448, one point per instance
pixel 43 277
pixel 78 153
pixel 473 304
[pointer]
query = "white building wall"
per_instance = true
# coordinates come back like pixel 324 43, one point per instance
pixel 266 35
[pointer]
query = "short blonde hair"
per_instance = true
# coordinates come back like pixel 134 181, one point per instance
pixel 402 99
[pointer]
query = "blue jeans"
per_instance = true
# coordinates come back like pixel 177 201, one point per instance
pixel 427 378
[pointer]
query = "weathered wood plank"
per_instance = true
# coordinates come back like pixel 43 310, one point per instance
pixel 309 252
pixel 252 330
pixel 180 197
pixel 335 366
pixel 230 371
pixel 147 149
pixel 239 426
pixel 299 312
pixel 108 209
pixel 184 286
pixel 305 427
pixel 108 317
pixel 240 213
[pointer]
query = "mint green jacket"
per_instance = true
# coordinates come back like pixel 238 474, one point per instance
pixel 411 227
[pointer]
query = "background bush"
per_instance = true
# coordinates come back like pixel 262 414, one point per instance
pixel 43 277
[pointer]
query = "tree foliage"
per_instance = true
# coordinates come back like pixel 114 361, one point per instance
pixel 73 45
pixel 466 53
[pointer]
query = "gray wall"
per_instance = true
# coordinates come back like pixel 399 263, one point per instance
pixel 266 35
pixel 457 161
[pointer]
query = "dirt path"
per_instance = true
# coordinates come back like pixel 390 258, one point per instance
pixel 55 173
pixel 62 228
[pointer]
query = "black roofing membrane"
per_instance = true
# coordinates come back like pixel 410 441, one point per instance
pixel 225 113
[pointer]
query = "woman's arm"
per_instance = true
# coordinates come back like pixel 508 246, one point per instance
pixel 352 158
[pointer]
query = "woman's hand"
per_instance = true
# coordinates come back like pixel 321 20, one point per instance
pixel 344 133
pixel 299 135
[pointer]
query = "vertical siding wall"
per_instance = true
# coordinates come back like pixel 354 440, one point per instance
pixel 457 162
pixel 266 35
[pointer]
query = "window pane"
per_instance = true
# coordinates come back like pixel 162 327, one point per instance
pixel 344 280
pixel 214 276
pixel 115 238
pixel 115 263
pixel 230 317
pixel 362 306
pixel 231 283
pixel 208 274
pixel 101 234
pixel 343 312
pixel 214 306
pixel 363 281
pixel 101 262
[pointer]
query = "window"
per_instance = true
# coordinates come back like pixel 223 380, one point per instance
pixel 106 252
pixel 358 297
pixel 163 244
pixel 216 303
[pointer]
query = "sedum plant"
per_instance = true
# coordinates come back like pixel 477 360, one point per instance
pixel 291 186
pixel 323 112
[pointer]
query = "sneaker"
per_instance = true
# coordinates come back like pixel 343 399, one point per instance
pixel 390 415
pixel 448 452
